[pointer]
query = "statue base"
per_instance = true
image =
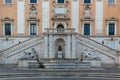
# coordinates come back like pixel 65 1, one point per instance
pixel 28 64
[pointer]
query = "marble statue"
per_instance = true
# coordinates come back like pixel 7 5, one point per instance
pixel 33 13
pixel 87 12
pixel 30 55
pixel 89 54
pixel 54 4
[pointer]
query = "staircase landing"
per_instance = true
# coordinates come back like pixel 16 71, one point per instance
pixel 65 64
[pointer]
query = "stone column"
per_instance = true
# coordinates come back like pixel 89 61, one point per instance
pixel 73 46
pixel 46 55
pixel 68 49
pixel 51 46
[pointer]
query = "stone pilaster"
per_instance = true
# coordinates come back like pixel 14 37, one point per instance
pixel 73 46
pixel 46 55
pixel 68 49
pixel 51 46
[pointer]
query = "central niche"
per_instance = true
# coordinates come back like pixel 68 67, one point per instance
pixel 60 48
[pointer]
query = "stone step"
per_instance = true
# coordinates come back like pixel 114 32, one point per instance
pixel 66 65
pixel 8 65
pixel 63 74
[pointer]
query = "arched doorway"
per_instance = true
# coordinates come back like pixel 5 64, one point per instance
pixel 60 28
pixel 60 48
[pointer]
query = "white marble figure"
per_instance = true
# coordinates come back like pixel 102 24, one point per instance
pixel 33 13
pixel 86 54
pixel 59 52
pixel 33 53
pixel 87 12
pixel 30 55
pixel 54 4
pixel 89 54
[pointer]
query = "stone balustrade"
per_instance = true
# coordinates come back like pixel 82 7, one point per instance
pixel 59 31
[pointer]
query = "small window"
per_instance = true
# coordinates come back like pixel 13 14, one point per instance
pixel 111 2
pixel 33 29
pixel 111 29
pixel 61 1
pixel 33 1
pixel 87 1
pixel 8 1
pixel 7 28
pixel 60 28
pixel 86 29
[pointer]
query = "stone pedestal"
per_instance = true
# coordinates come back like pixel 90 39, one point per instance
pixel 28 64
pixel 46 55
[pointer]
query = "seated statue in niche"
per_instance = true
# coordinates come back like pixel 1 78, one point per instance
pixel 33 13
pixel 59 52
pixel 87 12
pixel 54 4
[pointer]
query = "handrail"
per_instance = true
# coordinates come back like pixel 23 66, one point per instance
pixel 97 42
pixel 106 49
pixel 25 48
pixel 59 30
pixel 20 45
pixel 96 50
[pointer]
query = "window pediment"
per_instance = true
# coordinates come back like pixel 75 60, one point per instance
pixel 87 19
pixel 33 20
pixel 112 19
pixel 7 19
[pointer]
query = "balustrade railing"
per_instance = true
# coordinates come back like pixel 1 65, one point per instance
pixel 59 31
pixel 20 46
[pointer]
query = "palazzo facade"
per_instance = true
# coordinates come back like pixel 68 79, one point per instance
pixel 87 30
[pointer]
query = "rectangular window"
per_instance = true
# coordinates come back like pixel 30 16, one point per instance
pixel 87 1
pixel 7 28
pixel 111 29
pixel 86 29
pixel 60 1
pixel 8 1
pixel 33 1
pixel 111 2
pixel 33 29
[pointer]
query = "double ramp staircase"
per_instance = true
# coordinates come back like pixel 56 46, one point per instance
pixel 9 54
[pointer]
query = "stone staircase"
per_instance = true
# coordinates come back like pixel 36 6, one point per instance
pixel 73 63
pixel 97 46
pixel 7 53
